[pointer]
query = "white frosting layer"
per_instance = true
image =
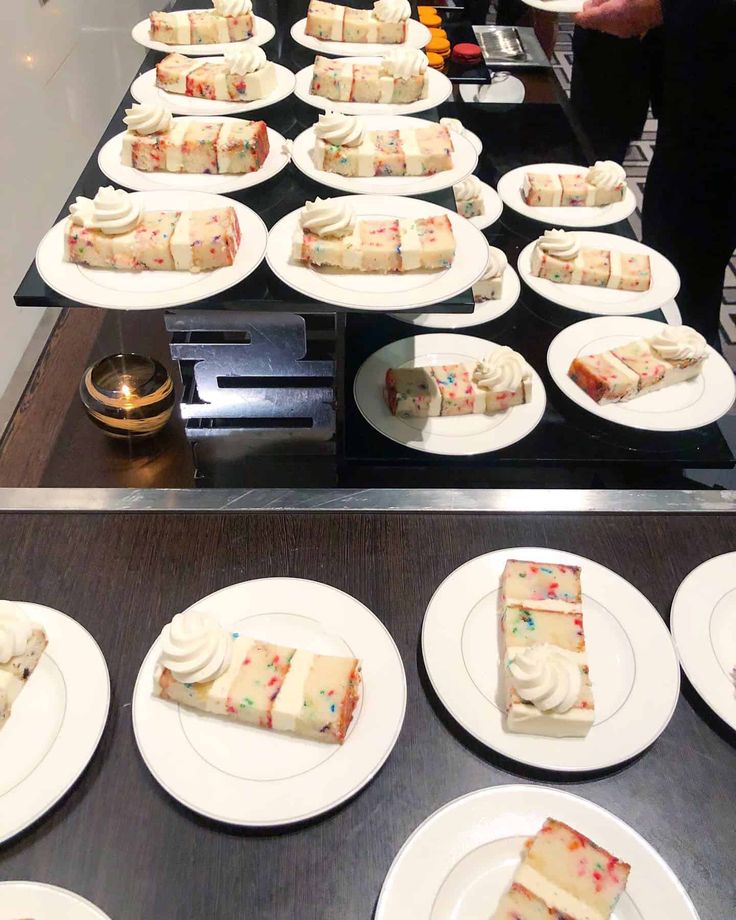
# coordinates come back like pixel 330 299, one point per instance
pixel 405 62
pixel 15 631
pixel 502 370
pixel 544 676
pixel 248 59
pixel 559 243
pixel 112 211
pixel 678 343
pixel 497 263
pixel 232 7
pixel 181 245
pixel 195 648
pixel 147 119
pixel 392 10
pixel 328 217
pixel 553 896
pixel 340 130
pixel 288 704
pixel 468 189
pixel 606 174
pixel 174 154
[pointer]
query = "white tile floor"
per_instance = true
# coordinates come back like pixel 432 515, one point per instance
pixel 63 72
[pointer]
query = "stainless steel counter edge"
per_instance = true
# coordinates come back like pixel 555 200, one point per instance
pixel 381 500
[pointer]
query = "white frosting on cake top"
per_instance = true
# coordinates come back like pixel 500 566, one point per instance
pixel 147 119
pixel 247 59
pixel 112 211
pixel 560 243
pixel 606 174
pixel 502 370
pixel 454 124
pixel 232 7
pixel 392 10
pixel 546 677
pixel 340 130
pixel 405 62
pixel 469 188
pixel 15 631
pixel 679 343
pixel 497 263
pixel 328 217
pixel 195 648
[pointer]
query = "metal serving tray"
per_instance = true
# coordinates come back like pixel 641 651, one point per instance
pixel 510 46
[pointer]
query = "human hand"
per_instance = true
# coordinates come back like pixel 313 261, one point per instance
pixel 623 18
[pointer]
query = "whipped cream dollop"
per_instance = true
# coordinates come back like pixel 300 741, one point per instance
pixel 544 676
pixel 232 7
pixel 467 189
pixel 15 631
pixel 502 370
pixel 405 62
pixel 112 210
pixel 340 130
pixel 328 217
pixel 195 648
pixel 454 124
pixel 245 60
pixel 392 10
pixel 147 119
pixel 606 174
pixel 560 243
pixel 678 343
pixel 497 263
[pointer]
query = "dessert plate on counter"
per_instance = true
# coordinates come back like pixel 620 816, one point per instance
pixel 464 161
pixel 703 624
pixel 483 312
pixel 601 301
pixel 109 161
pixel 458 436
pixel 633 665
pixel 371 290
pixel 510 189
pixel 36 899
pixel 681 407
pixel 263 32
pixel 244 775
pixel 144 90
pixel 556 6
pixel 439 89
pixel 417 36
pixel 459 862
pixel 152 290
pixel 56 723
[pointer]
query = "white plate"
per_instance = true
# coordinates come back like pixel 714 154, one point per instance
pixel 263 32
pixel 458 863
pixel 109 161
pixel 633 666
pixel 483 312
pixel 56 722
pixel 152 290
pixel 464 160
pixel 510 189
pixel 373 291
pixel 686 405
pixel 241 774
pixel 44 902
pixel 417 36
pixel 456 436
pixel 144 90
pixel 492 207
pixel 438 90
pixel 665 281
pixel 703 624
pixel 556 6
pixel 504 89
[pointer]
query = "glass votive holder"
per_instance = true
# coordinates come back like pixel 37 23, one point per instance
pixel 127 395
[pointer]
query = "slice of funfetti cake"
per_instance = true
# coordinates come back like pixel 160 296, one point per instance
pixel 572 877
pixel 545 585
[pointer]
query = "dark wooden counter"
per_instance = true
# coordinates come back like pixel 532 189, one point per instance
pixel 118 839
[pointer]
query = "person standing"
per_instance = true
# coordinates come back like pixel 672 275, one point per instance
pixel 689 212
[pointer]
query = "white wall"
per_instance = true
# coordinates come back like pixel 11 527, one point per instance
pixel 63 71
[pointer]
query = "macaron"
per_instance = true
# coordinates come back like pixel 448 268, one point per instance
pixel 436 61
pixel 467 53
pixel 430 19
pixel 438 44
